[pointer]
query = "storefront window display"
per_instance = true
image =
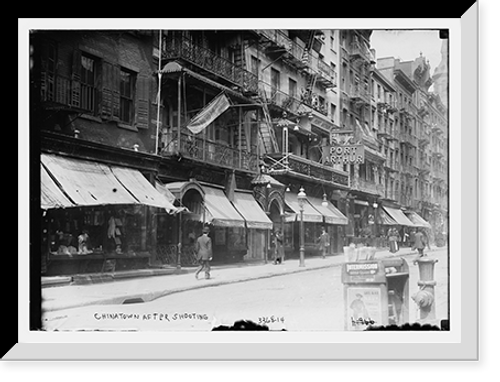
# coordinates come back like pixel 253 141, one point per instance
pixel 98 230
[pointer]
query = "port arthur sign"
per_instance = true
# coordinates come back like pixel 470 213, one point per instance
pixel 342 151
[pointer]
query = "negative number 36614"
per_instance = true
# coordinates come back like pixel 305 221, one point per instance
pixel 271 319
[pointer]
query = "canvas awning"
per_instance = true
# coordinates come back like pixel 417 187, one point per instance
pixel 417 220
pixel 51 195
pixel 251 211
pixel 310 215
pixel 89 183
pixel 142 190
pixel 398 216
pixel 331 214
pixel 385 219
pixel 219 209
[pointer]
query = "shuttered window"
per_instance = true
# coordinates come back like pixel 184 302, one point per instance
pixel 127 86
pixel 142 101
pixel 88 81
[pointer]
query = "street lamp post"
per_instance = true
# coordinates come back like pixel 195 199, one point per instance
pixel 301 196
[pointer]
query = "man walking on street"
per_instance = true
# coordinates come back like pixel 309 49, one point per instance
pixel 419 244
pixel 324 242
pixel 203 250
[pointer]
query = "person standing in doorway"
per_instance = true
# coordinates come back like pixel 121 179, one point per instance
pixel 203 248
pixel 324 242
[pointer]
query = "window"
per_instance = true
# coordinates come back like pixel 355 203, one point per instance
pixel 292 87
pixel 275 80
pixel 127 86
pixel 254 65
pixel 87 86
pixel 333 109
pixel 343 76
pixel 48 85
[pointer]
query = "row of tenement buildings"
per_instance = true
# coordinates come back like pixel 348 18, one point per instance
pixel 146 136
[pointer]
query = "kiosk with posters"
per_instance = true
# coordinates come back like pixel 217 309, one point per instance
pixel 375 293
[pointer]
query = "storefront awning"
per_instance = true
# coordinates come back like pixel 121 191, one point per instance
pixel 417 220
pixel 251 211
pixel 385 219
pixel 399 216
pixel 331 214
pixel 51 195
pixel 311 215
pixel 87 183
pixel 219 209
pixel 90 183
pixel 142 190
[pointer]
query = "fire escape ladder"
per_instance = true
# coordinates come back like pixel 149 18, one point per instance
pixel 266 130
pixel 307 59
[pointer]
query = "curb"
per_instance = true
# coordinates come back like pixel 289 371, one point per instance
pixel 99 278
pixel 150 296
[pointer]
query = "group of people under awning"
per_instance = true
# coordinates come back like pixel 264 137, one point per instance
pixel 413 232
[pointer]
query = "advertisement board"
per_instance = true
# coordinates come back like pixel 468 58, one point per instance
pixel 364 306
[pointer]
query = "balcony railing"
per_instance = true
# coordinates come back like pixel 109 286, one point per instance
pixel 360 51
pixel 309 168
pixel 327 76
pixel 289 50
pixel 438 151
pixel 409 169
pixel 392 165
pixel 360 96
pixel 276 97
pixel 184 49
pixel 216 153
pixel 367 186
pixel 408 139
pixel 424 167
pixel 424 138
pixel 291 103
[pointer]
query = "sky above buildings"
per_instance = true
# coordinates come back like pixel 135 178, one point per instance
pixel 407 45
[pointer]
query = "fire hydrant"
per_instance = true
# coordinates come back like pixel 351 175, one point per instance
pixel 425 297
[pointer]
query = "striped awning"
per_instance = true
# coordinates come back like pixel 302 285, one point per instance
pixel 330 213
pixel 51 196
pixel 417 220
pixel 398 215
pixel 251 211
pixel 219 209
pixel 89 183
pixel 310 214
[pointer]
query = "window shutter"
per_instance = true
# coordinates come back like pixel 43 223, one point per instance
pixel 107 90
pixel 116 92
pixel 142 101
pixel 75 78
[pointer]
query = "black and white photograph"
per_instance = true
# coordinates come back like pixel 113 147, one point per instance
pixel 231 179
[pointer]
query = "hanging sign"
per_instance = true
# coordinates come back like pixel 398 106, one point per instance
pixel 348 154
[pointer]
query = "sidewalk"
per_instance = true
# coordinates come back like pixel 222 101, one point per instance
pixel 130 290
